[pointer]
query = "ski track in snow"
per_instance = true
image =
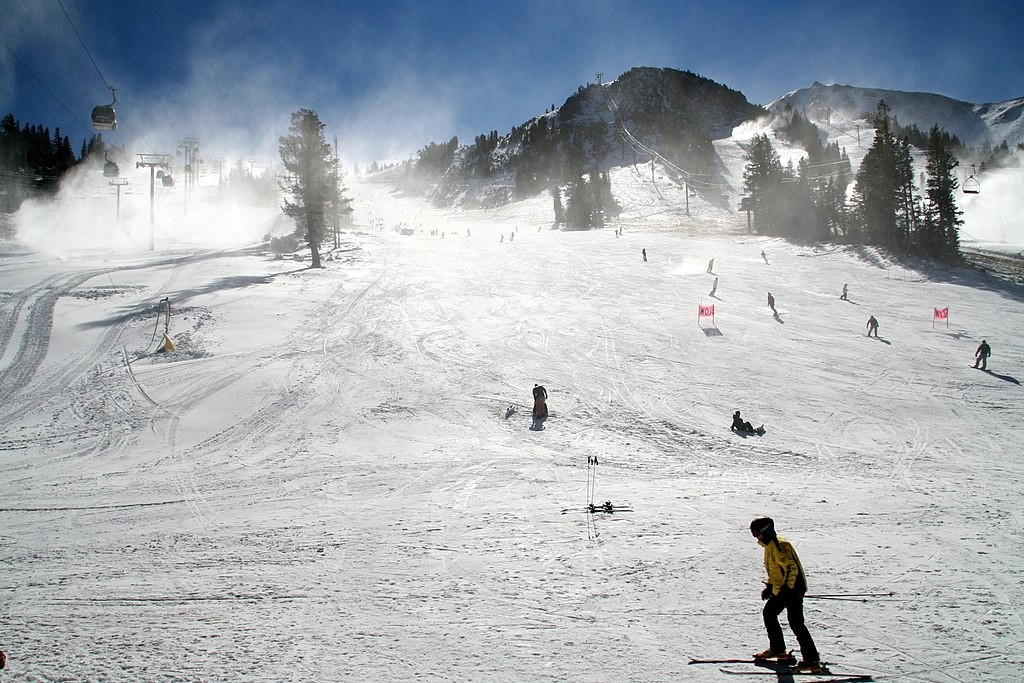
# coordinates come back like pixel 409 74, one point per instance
pixel 332 491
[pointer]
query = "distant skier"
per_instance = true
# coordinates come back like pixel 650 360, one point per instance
pixel 771 303
pixel 765 257
pixel 502 238
pixel 784 590
pixel 714 287
pixel 845 293
pixel 872 326
pixel 982 354
pixel 745 427
pixel 711 265
pixel 540 401
pixel 644 252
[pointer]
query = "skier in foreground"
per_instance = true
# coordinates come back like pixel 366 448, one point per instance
pixel 784 590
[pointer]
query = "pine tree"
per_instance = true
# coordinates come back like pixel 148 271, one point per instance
pixel 577 216
pixel 876 188
pixel 311 183
pixel 762 180
pixel 907 208
pixel 942 215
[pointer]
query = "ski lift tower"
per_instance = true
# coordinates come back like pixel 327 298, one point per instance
pixel 118 183
pixel 188 148
pixel 152 161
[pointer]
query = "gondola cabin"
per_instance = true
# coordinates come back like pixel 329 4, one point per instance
pixel 104 117
pixel 110 169
pixel 971 185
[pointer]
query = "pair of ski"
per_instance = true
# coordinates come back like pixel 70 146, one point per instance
pixel 783 667
pixel 594 509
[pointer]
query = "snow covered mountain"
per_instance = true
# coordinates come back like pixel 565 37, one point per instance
pixel 694 128
pixel 976 125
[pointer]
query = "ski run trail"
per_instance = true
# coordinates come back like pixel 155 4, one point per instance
pixel 321 484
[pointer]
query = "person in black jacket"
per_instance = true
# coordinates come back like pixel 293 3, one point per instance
pixel 982 354
pixel 540 401
pixel 744 427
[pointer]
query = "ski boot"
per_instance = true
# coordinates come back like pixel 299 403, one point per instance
pixel 771 655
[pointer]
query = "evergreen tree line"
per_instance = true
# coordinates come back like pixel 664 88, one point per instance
pixel 886 209
pixel 588 200
pixel 245 188
pixel 37 158
pixel 567 150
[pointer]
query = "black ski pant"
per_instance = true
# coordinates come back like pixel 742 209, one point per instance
pixel 793 604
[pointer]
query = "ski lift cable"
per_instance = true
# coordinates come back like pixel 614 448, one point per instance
pixel 84 46
pixel 48 91
pixel 633 142
pixel 123 119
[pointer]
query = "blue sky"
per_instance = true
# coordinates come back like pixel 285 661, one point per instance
pixel 389 76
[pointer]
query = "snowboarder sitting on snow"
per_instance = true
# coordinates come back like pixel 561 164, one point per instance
pixel 744 427
pixel 784 590
pixel 540 401
pixel 982 354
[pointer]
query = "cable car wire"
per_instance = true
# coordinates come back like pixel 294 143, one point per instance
pixel 84 46
pixel 48 91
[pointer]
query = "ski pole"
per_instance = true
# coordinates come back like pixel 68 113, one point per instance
pixel 852 595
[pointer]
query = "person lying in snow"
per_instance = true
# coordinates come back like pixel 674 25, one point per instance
pixel 739 425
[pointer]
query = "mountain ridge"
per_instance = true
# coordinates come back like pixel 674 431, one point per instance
pixel 975 124
pixel 697 130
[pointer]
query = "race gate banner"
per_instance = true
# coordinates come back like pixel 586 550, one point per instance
pixel 706 311
pixel 942 313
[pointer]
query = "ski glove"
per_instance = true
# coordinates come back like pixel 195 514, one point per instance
pixel 767 592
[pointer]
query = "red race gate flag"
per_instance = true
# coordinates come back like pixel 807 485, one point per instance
pixel 706 311
pixel 941 314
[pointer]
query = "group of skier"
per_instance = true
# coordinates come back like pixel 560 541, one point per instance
pixel 786 586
